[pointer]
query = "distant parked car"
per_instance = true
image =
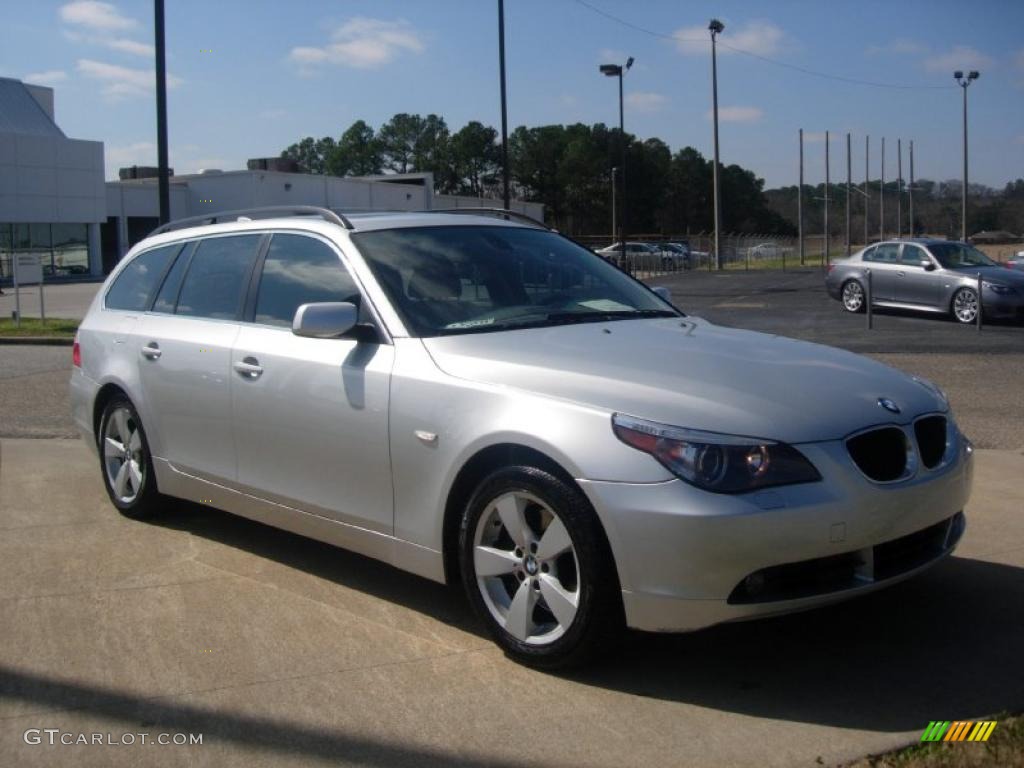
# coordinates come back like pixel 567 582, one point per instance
pixel 767 251
pixel 1016 261
pixel 636 254
pixel 675 255
pixel 930 275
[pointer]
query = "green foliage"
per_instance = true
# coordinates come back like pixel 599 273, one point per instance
pixel 568 168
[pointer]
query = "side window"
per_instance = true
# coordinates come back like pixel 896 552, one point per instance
pixel 869 254
pixel 912 256
pixel 168 295
pixel 135 285
pixel 300 270
pixel 886 253
pixel 218 276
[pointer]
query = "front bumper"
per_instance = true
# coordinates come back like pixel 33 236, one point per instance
pixel 684 555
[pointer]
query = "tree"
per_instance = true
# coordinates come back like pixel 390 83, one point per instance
pixel 311 154
pixel 358 152
pixel 474 156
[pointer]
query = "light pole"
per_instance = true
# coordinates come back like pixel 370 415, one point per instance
pixel 617 70
pixel 161 111
pixel 800 200
pixel 716 27
pixel 615 171
pixel 963 82
pixel 504 104
pixel 910 189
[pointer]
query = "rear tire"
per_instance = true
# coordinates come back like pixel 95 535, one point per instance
pixel 538 570
pixel 852 296
pixel 125 461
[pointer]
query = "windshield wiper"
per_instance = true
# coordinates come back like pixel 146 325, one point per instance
pixel 589 317
pixel 540 320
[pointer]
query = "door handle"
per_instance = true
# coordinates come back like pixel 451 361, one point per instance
pixel 249 367
pixel 151 351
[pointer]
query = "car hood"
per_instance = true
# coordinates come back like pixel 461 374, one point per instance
pixel 691 373
pixel 995 274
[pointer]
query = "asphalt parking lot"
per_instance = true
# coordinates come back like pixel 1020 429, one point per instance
pixel 285 651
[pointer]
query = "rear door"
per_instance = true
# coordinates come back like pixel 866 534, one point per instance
pixel 311 415
pixel 185 354
pixel 884 262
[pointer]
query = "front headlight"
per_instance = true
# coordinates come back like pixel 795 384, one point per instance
pixel 716 462
pixel 1002 290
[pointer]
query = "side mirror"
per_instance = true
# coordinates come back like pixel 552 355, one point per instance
pixel 928 265
pixel 663 292
pixel 325 320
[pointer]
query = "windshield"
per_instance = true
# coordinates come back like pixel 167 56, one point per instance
pixel 473 279
pixel 958 256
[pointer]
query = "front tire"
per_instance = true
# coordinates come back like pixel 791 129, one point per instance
pixel 538 570
pixel 965 306
pixel 125 461
pixel 853 296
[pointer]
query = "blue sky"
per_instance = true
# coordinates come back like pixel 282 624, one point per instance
pixel 248 78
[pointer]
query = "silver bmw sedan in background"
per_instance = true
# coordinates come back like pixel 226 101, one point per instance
pixel 481 401
pixel 929 275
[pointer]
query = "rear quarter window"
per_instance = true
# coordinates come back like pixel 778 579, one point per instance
pixel 134 285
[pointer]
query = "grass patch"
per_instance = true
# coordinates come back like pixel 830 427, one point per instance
pixel 1005 749
pixel 33 326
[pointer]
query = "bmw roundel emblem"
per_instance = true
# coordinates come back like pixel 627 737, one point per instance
pixel 888 404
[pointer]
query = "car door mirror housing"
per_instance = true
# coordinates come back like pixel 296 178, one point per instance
pixel 663 293
pixel 928 266
pixel 325 320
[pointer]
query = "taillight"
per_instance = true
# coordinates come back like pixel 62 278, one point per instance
pixel 76 354
pixel 831 267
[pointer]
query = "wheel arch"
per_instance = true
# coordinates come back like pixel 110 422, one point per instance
pixel 473 470
pixel 106 393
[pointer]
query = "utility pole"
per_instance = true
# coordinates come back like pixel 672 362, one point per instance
pixel 881 197
pixel 963 82
pixel 161 111
pixel 867 173
pixel 716 27
pixel 617 70
pixel 800 201
pixel 899 187
pixel 504 105
pixel 849 183
pixel 826 260
pixel 910 189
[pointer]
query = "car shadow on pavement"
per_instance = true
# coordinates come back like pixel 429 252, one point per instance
pixel 945 645
pixel 341 566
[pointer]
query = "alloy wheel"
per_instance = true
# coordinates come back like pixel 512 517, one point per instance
pixel 965 305
pixel 853 296
pixel 123 457
pixel 526 568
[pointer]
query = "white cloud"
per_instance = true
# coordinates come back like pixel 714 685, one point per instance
pixel 50 77
pixel 95 15
pixel 645 101
pixel 902 46
pixel 739 115
pixel 362 43
pixel 123 82
pixel 760 37
pixel 961 57
pixel 130 46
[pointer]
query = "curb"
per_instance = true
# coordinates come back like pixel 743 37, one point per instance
pixel 39 341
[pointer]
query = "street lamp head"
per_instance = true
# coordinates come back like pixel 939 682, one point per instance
pixel 973 75
pixel 958 75
pixel 611 70
pixel 629 63
pixel 716 27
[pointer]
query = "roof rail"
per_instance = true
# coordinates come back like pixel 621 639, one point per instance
pixel 270 212
pixel 498 212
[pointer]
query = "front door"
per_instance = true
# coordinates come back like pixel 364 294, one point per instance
pixel 883 261
pixel 918 285
pixel 311 415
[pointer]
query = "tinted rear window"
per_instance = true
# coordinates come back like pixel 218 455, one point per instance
pixel 218 276
pixel 133 288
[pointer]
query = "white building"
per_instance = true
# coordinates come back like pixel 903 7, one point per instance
pixel 52 199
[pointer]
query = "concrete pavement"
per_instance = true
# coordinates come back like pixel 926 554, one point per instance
pixel 284 651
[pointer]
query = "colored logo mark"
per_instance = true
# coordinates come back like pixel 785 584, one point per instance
pixel 958 730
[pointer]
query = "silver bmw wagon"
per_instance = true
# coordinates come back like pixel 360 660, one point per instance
pixel 477 399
